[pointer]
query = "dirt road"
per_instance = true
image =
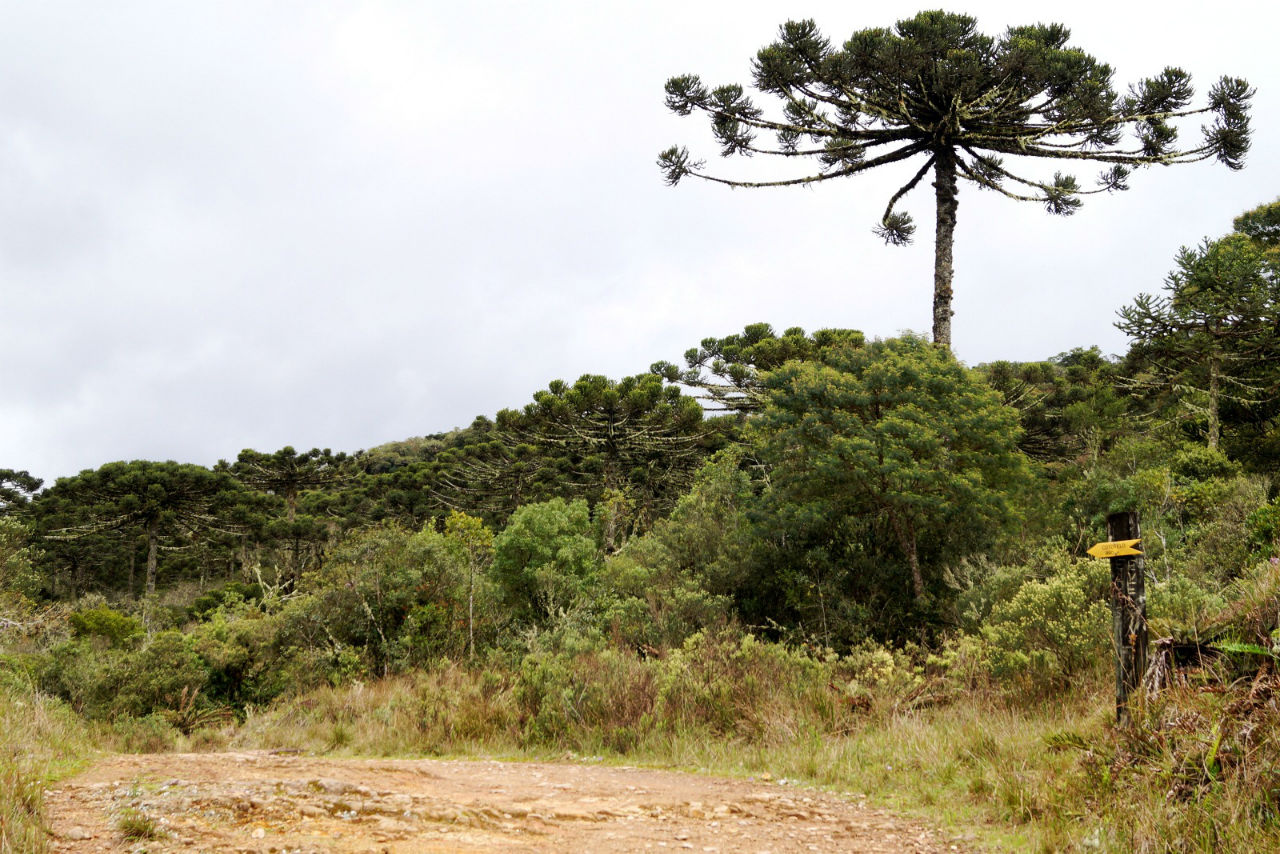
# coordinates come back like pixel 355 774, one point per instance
pixel 260 802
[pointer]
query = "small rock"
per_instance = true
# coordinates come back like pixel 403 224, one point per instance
pixel 77 834
pixel 330 786
pixel 258 833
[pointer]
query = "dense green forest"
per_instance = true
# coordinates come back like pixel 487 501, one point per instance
pixel 842 518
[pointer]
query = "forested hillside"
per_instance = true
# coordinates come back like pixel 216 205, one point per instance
pixel 783 536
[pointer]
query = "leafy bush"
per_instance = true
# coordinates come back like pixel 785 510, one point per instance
pixel 592 698
pixel 881 671
pixel 117 630
pixel 16 571
pixel 645 601
pixel 544 558
pixel 1263 527
pixel 1052 629
pixel 385 600
pixel 229 594
pixel 106 682
pixel 734 684
pixel 238 646
pixel 1182 607
pixel 157 676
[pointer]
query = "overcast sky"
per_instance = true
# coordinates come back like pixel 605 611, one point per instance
pixel 256 224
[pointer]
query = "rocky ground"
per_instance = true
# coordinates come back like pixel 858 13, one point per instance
pixel 262 802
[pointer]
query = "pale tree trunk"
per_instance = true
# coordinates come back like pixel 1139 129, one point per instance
pixel 471 602
pixel 944 183
pixel 907 542
pixel 1215 392
pixel 291 550
pixel 153 548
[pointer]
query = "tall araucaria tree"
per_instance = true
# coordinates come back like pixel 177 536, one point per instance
pixel 166 502
pixel 1214 337
pixel 936 92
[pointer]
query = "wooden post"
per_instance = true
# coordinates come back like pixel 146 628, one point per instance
pixel 1128 612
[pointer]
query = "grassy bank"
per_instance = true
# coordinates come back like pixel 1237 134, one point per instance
pixel 985 769
pixel 41 739
pixel 1002 769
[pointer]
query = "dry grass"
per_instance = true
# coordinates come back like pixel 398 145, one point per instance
pixel 1197 773
pixel 1005 773
pixel 40 740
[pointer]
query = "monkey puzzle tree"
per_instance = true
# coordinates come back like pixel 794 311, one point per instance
pixel 632 437
pixel 726 372
pixel 288 474
pixel 1262 225
pixel 163 501
pixel 936 90
pixel 16 489
pixel 1215 334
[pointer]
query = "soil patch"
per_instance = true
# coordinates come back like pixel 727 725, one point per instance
pixel 266 803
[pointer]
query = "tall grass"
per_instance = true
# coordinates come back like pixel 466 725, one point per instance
pixel 997 769
pixel 1049 774
pixel 40 739
pixel 1197 772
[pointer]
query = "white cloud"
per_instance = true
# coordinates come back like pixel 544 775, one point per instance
pixel 320 223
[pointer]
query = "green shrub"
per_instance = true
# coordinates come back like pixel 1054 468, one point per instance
pixel 158 675
pixel 647 602
pixel 1263 527
pixel 545 559
pixel 1052 629
pixel 85 673
pixel 232 593
pixel 1182 606
pixel 1201 463
pixel 985 584
pixel 877 670
pixel 114 628
pixel 590 699
pixel 727 683
pixel 238 648
pixel 104 681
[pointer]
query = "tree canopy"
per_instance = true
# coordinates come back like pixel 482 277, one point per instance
pixel 726 372
pixel 936 91
pixel 158 500
pixel 893 462
pixel 1214 334
pixel 16 489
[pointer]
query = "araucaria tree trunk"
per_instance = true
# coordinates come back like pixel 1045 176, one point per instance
pixel 153 548
pixel 1215 393
pixel 948 200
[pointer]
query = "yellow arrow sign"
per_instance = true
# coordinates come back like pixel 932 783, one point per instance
pixel 1115 548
